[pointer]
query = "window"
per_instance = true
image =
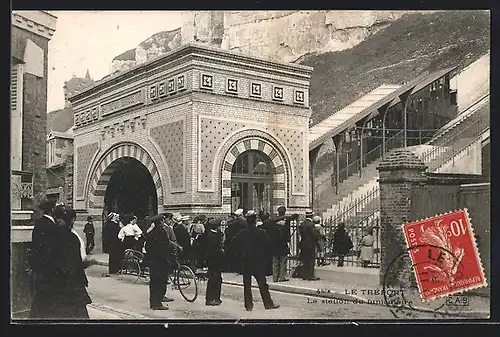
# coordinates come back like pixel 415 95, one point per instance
pixel 252 163
pixel 16 111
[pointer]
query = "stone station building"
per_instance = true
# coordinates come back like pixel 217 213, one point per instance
pixel 198 130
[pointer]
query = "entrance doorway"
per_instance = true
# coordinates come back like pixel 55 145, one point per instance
pixel 131 189
pixel 252 182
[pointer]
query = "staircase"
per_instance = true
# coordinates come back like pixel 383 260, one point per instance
pixel 459 138
pixel 467 116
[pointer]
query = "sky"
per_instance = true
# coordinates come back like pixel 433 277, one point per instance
pixel 91 39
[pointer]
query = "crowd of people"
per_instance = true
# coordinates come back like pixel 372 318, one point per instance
pixel 252 245
pixel 58 260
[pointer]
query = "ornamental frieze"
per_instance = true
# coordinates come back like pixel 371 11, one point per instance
pixel 125 102
pixel 124 126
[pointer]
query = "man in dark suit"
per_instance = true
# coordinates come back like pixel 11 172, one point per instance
pixel 279 233
pixel 215 259
pixel 232 229
pixel 160 251
pixel 267 224
pixel 309 236
pixel 253 246
pixel 44 255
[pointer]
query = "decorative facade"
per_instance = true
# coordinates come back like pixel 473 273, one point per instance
pixel 30 35
pixel 187 117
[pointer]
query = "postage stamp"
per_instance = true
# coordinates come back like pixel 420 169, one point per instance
pixel 450 262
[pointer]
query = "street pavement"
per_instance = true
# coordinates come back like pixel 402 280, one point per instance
pixel 353 301
pixel 121 298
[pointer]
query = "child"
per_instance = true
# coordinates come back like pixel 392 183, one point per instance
pixel 89 231
pixel 367 250
pixel 321 241
pixel 342 243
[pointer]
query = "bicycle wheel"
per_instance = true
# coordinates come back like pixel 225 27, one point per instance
pixel 130 270
pixel 186 282
pixel 144 275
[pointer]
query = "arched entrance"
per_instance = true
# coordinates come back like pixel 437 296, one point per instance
pixel 129 159
pixel 252 182
pixel 131 189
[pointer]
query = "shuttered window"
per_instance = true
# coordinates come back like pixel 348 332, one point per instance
pixel 14 79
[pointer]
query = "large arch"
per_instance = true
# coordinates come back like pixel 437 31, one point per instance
pixel 277 159
pixel 107 165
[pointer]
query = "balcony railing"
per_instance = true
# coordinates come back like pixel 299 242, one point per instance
pixel 21 191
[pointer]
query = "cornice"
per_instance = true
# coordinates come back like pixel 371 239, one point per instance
pixel 200 52
pixel 37 22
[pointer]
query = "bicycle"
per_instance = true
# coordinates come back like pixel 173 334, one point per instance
pixel 133 264
pixel 181 278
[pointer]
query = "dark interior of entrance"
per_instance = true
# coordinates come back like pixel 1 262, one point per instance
pixel 252 182
pixel 131 190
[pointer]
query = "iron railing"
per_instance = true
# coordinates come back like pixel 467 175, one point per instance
pixel 21 188
pixel 395 141
pixel 468 113
pixel 363 212
pixel 456 141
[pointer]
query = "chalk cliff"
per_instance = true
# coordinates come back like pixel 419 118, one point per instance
pixel 277 35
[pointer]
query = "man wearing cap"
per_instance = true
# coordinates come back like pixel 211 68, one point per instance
pixel 159 254
pixel 89 231
pixel 309 240
pixel 45 249
pixel 183 238
pixel 254 246
pixel 215 260
pixel 232 229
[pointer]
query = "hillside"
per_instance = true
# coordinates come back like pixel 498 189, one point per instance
pixel 413 44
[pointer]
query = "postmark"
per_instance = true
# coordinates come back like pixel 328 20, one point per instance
pixel 404 300
pixel 451 263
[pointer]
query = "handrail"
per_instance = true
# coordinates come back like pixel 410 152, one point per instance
pixel 345 211
pixel 358 201
pixel 429 158
pixel 466 113
pixel 357 162
pixel 478 127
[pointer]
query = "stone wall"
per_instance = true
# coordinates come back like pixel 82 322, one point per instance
pixel 34 117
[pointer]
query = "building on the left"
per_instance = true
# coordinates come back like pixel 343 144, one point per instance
pixel 31 32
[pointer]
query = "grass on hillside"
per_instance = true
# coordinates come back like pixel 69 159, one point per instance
pixel 413 44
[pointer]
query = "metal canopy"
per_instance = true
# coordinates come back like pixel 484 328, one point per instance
pixel 387 94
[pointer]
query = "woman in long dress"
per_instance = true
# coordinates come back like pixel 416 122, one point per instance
pixel 367 250
pixel 112 245
pixel 70 302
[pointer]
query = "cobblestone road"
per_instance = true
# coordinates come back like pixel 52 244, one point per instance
pixel 122 298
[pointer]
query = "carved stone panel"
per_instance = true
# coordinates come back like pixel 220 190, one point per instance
pixel 84 155
pixel 214 132
pixel 125 102
pixel 170 139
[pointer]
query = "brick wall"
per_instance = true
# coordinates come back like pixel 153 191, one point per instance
pixel 398 173
pixel 34 118
pixel 163 106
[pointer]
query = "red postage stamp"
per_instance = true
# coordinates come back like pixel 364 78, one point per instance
pixel 444 255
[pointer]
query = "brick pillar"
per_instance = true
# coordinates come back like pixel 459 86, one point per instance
pixel 68 180
pixel 398 174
